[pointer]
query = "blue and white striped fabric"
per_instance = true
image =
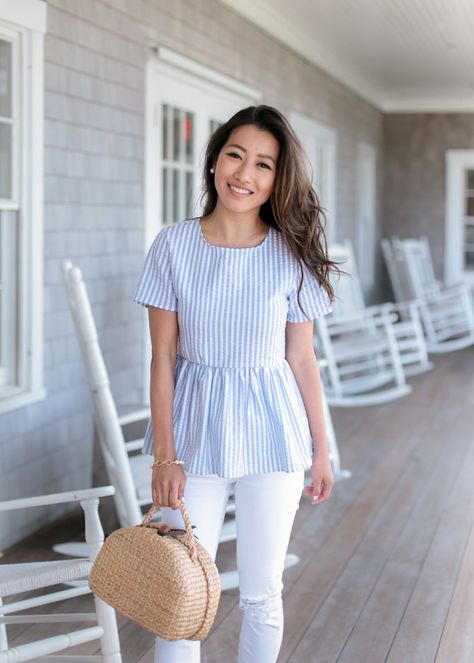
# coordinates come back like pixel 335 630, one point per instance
pixel 237 407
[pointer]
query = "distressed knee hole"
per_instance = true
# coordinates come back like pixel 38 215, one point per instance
pixel 266 609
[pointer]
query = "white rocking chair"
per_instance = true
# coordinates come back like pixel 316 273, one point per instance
pixel 361 346
pixel 333 449
pixel 447 312
pixel 407 325
pixel 16 579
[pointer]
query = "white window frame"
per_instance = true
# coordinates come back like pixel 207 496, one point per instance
pixel 174 79
pixel 316 136
pixel 457 161
pixel 26 20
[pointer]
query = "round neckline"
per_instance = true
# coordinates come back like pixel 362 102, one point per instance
pixel 231 248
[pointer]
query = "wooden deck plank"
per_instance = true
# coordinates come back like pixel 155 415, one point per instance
pixel 417 638
pixel 457 641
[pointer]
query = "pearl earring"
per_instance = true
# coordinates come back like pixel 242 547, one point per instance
pixel 212 170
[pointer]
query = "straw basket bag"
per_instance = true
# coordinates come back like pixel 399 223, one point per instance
pixel 163 579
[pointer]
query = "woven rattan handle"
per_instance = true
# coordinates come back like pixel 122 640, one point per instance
pixel 188 537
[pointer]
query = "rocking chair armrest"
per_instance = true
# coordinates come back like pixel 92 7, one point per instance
pixel 410 306
pixel 387 308
pixel 446 293
pixel 348 324
pixel 372 315
pixel 57 498
pixel 455 288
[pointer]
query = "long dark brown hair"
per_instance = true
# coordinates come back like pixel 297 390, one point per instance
pixel 293 207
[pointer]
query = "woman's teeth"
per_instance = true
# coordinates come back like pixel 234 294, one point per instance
pixel 237 190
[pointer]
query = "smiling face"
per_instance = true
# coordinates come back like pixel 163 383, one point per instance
pixel 245 169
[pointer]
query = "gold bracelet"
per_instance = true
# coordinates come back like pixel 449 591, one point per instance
pixel 157 463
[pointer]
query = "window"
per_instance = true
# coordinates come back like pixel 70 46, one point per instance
pixel 186 102
pixel 177 162
pixel 22 26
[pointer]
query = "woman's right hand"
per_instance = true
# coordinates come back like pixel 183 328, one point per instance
pixel 167 485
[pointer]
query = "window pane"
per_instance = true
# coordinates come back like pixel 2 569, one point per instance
pixel 164 197
pixel 165 131
pixel 2 302
pixel 5 161
pixel 470 206
pixel 176 195
pixel 5 78
pixel 470 179
pixel 176 133
pixel 213 125
pixel 189 195
pixel 3 376
pixel 469 247
pixel 189 136
pixel 8 298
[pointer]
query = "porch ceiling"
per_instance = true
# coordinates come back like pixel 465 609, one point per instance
pixel 401 56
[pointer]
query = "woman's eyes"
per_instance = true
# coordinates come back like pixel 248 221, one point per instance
pixel 236 154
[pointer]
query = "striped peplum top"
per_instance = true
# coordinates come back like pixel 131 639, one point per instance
pixel 237 408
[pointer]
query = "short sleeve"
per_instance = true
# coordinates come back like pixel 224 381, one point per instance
pixel 155 286
pixel 313 297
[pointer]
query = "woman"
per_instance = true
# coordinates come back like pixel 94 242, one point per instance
pixel 235 386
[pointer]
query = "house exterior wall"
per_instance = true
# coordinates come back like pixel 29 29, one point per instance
pixel 95 56
pixel 415 170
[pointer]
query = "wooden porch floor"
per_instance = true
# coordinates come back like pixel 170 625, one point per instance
pixel 386 571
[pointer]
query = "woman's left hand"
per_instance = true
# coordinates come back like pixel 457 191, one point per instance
pixel 322 479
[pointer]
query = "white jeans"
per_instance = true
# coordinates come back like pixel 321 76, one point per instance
pixel 265 509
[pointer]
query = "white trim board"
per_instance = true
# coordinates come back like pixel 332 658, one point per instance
pixel 30 14
pixel 178 61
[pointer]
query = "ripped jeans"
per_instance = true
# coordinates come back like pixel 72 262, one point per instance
pixel 265 509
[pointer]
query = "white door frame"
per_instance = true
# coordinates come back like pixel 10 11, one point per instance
pixel 366 214
pixel 314 137
pixel 457 161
